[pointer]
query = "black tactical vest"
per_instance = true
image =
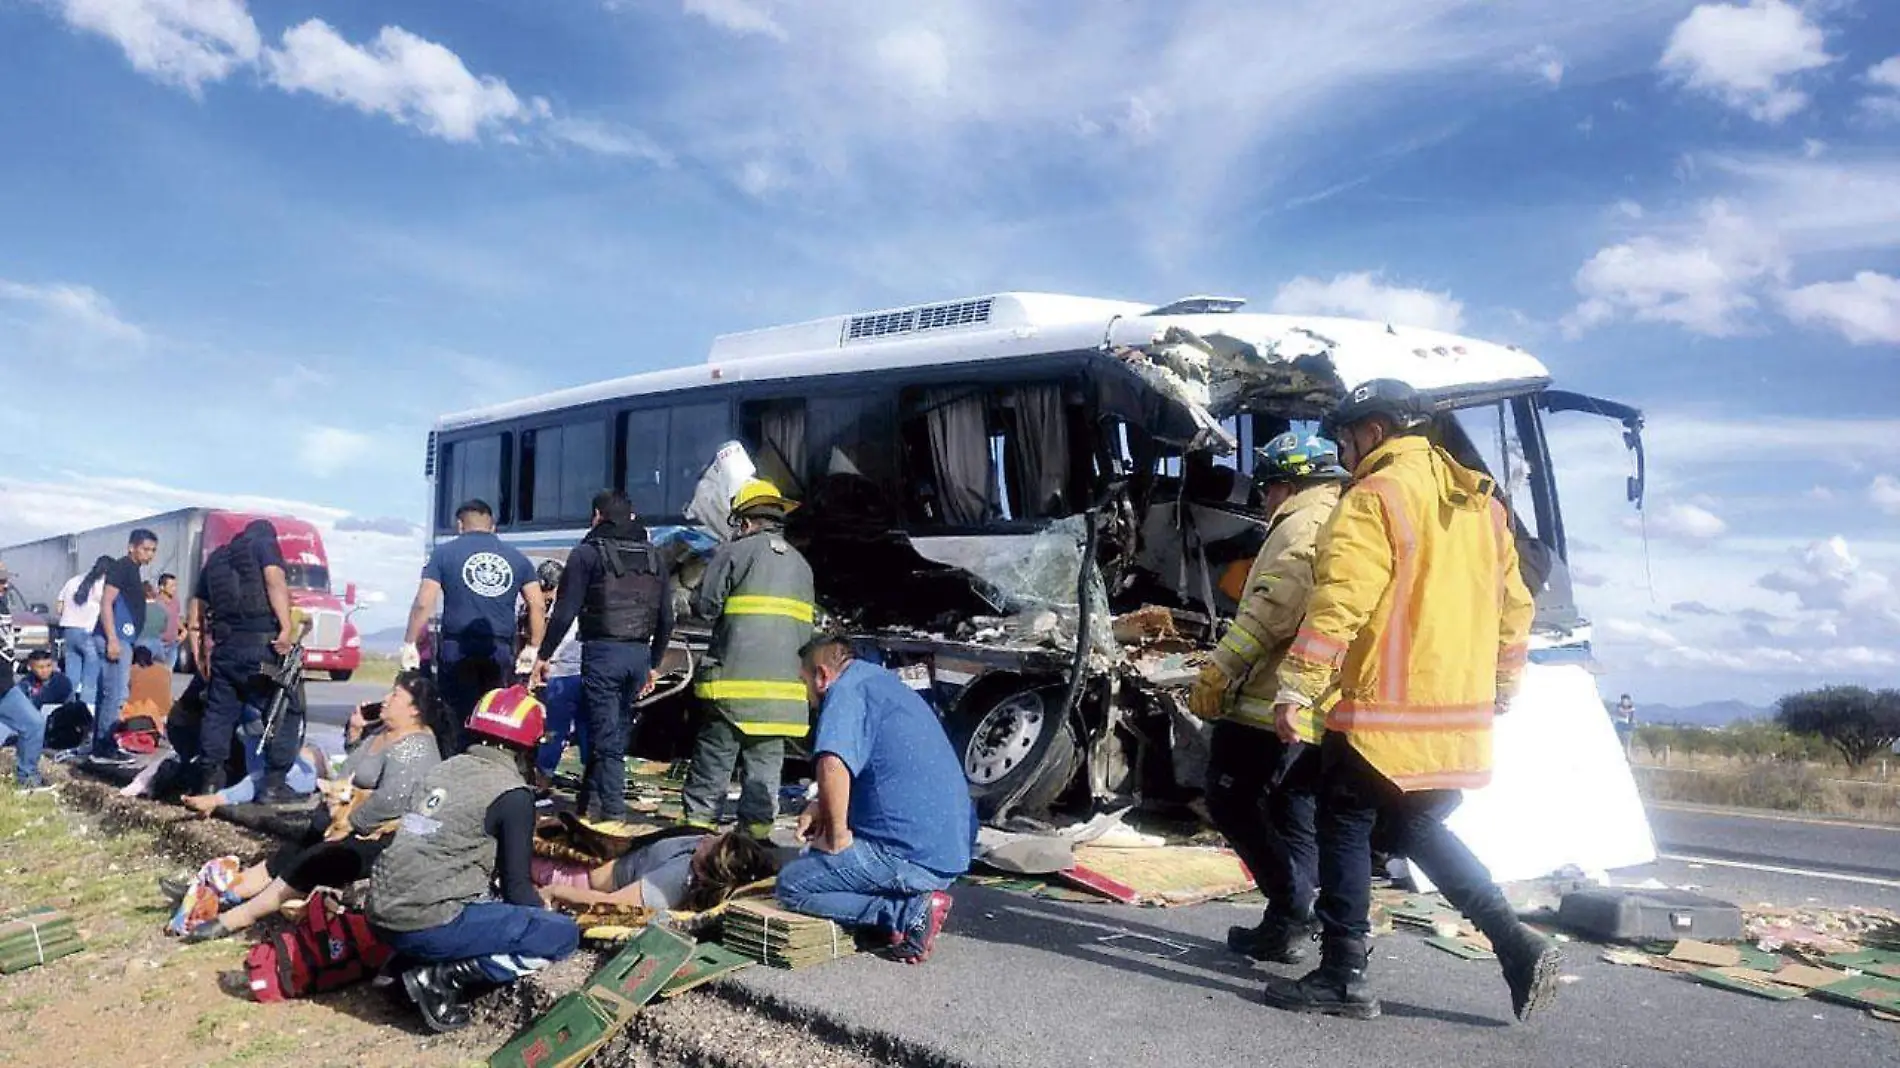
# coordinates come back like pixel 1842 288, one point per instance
pixel 234 591
pixel 622 603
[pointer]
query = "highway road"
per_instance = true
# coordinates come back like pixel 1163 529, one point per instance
pixel 1021 981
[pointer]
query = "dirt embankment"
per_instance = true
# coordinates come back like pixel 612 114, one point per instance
pixel 138 997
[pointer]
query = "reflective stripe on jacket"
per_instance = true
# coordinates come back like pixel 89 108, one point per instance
pixel 1418 614
pixel 1271 607
pixel 758 589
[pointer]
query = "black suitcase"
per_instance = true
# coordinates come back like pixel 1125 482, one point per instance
pixel 1629 914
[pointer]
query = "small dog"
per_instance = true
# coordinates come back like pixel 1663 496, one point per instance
pixel 342 796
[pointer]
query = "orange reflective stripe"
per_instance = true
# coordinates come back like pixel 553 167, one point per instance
pixel 1395 645
pixel 1513 656
pixel 1311 645
pixel 1442 780
pixel 1347 716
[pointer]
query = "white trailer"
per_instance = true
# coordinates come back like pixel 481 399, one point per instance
pixel 40 568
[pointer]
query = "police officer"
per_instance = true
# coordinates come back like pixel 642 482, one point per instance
pixel 242 604
pixel 478 579
pixel 1261 793
pixel 618 588
pixel 759 590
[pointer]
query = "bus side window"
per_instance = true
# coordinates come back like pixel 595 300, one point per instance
pixel 473 468
pixel 774 433
pixel 697 432
pixel 561 468
pixel 643 436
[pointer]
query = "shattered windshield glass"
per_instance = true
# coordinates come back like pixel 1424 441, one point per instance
pixel 1031 579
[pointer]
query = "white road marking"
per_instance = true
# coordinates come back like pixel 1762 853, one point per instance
pixel 1776 869
pixel 1774 817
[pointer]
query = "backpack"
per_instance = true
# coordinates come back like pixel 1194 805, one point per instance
pixel 330 948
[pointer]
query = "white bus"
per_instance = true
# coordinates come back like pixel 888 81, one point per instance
pixel 987 479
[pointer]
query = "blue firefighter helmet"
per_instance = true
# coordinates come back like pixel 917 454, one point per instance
pixel 1294 455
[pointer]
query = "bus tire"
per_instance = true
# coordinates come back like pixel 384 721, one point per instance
pixel 1002 743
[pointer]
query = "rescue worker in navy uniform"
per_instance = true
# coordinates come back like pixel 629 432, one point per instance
pixel 242 604
pixel 617 586
pixel 478 578
pixel 759 590
pixel 1262 793
pixel 470 830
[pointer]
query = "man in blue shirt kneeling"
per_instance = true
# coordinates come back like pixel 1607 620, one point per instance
pixel 893 824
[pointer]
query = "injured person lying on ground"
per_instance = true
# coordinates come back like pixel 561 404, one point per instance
pixel 681 869
pixel 893 825
pixel 392 747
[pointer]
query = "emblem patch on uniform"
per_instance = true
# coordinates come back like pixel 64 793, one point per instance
pixel 488 575
pixel 434 801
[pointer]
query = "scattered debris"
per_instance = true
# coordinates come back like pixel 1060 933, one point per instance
pixel 1133 943
pixel 581 1022
pixel 1691 951
pixel 782 939
pixel 1749 981
pixel 1461 947
pixel 1629 914
pixel 1822 930
pixel 1165 876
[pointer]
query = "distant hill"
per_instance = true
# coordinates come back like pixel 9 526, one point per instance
pixel 385 642
pixel 1707 714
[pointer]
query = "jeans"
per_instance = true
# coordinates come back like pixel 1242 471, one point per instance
pixel 234 662
pixel 612 676
pixel 302 779
pixel 466 669
pixel 22 720
pixel 509 941
pixel 1271 827
pixel 562 697
pixel 867 885
pixel 719 746
pixel 1353 797
pixel 83 657
pixel 115 685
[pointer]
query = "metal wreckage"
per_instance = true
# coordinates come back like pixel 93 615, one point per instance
pixel 1104 526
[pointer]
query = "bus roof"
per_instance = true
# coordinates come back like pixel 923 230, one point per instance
pixel 1013 325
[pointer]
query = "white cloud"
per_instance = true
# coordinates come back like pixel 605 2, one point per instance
pixel 1629 209
pixel 738 16
pixel 325 451
pixel 181 42
pixel 1747 56
pixel 1865 311
pixel 1699 277
pixel 607 139
pixel 81 309
pixel 1543 61
pixel 1884 494
pixel 1829 577
pixel 414 81
pixel 1687 522
pixel 1884 101
pixel 915 60
pixel 1366 295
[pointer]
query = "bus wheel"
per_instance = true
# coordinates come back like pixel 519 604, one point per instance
pixel 1020 735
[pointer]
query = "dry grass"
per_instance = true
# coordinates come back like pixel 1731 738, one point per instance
pixel 1778 787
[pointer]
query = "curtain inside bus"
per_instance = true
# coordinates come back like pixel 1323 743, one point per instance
pixel 959 452
pixel 781 453
pixel 1042 449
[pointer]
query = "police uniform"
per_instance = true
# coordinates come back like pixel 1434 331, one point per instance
pixel 242 625
pixel 617 587
pixel 759 590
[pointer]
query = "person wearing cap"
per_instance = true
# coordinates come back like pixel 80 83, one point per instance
pixel 1420 620
pixel 1261 791
pixel 619 591
pixel 758 591
pixel 453 891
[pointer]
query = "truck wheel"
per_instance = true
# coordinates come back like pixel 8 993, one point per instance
pixel 1006 741
pixel 341 676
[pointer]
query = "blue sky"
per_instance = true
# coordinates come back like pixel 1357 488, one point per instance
pixel 250 251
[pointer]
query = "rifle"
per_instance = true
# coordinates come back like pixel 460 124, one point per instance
pixel 286 679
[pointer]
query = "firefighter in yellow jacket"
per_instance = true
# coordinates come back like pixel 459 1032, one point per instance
pixel 1419 619
pixel 1261 791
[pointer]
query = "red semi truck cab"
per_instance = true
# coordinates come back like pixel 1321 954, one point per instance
pixel 333 645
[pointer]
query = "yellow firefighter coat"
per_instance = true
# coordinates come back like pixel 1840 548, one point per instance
pixel 1271 608
pixel 1419 612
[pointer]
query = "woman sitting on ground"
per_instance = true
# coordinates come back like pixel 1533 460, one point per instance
pixel 682 873
pixel 391 749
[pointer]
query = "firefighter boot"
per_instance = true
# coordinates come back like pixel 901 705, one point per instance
pixel 441 991
pixel 1277 939
pixel 1336 988
pixel 1530 961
